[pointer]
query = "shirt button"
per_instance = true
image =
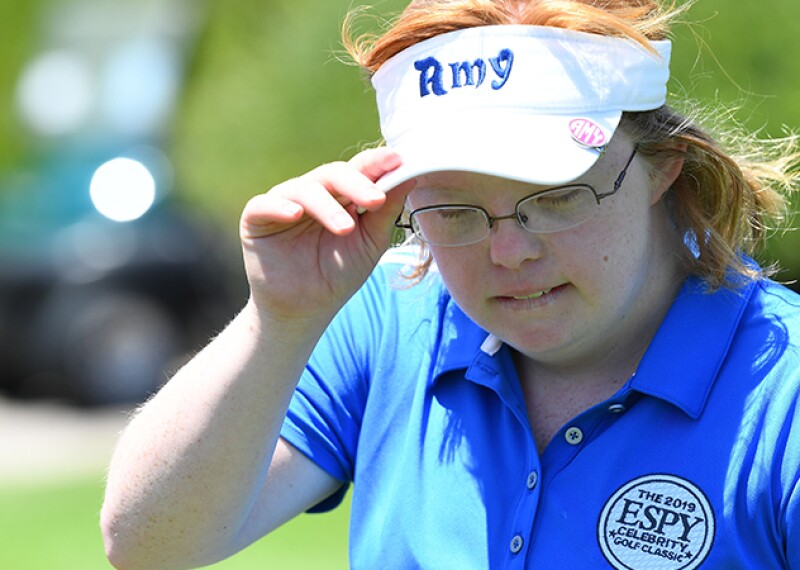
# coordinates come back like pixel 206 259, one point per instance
pixel 573 435
pixel 516 544
pixel 616 408
pixel 533 479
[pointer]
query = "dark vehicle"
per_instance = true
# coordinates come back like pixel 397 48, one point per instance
pixel 107 280
pixel 98 311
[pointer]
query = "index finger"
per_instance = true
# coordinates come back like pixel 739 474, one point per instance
pixel 376 162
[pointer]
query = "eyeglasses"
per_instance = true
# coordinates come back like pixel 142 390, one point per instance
pixel 549 211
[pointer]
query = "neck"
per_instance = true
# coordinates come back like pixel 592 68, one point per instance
pixel 610 362
pixel 551 403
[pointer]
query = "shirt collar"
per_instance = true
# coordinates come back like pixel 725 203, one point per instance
pixel 685 356
pixel 460 340
pixel 480 358
pixel 680 365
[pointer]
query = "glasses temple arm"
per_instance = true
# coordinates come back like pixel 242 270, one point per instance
pixel 621 177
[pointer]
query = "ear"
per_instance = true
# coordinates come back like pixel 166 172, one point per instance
pixel 667 173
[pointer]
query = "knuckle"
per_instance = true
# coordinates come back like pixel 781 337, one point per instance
pixel 330 168
pixel 256 201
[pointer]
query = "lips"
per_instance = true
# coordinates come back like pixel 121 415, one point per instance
pixel 534 295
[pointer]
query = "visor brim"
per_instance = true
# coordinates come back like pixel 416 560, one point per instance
pixel 537 149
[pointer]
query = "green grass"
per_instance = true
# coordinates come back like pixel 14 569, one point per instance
pixel 55 527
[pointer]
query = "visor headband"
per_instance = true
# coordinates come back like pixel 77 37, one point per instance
pixel 495 72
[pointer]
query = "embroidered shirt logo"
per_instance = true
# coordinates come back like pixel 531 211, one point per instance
pixel 658 522
pixel 463 73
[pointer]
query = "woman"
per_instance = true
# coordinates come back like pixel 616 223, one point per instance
pixel 590 372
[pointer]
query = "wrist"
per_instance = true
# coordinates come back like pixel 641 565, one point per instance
pixel 275 327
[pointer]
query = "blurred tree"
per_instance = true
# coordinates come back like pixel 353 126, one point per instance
pixel 17 19
pixel 267 100
pixel 743 58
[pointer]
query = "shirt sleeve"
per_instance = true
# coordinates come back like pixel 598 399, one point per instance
pixel 324 417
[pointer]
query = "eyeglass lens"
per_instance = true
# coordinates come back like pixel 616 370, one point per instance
pixel 549 211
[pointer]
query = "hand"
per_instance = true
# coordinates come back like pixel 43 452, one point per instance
pixel 307 248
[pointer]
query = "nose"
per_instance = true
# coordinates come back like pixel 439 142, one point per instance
pixel 510 245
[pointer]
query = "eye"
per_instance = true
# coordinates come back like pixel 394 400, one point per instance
pixel 454 213
pixel 559 197
pixel 557 209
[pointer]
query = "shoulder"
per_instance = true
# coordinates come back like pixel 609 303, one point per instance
pixel 775 310
pixel 770 323
pixel 778 300
pixel 391 307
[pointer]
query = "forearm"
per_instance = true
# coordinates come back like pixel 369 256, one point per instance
pixel 187 481
pixel 191 463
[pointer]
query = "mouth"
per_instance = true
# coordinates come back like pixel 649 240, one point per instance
pixel 535 295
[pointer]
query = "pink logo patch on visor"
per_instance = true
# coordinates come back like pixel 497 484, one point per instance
pixel 588 133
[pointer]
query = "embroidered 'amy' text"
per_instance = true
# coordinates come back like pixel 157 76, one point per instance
pixel 464 73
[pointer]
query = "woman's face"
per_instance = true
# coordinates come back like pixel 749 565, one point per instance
pixel 567 297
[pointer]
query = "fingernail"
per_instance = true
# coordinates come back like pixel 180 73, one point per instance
pixel 393 160
pixel 342 220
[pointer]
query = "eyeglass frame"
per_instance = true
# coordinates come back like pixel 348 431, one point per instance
pixel 490 220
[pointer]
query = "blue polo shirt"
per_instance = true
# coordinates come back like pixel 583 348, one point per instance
pixel 695 461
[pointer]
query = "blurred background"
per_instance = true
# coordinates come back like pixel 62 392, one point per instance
pixel 132 132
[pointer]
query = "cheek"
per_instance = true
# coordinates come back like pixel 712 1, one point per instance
pixel 456 274
pixel 459 276
pixel 603 253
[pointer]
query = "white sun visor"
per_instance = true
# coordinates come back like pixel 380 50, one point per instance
pixel 530 103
